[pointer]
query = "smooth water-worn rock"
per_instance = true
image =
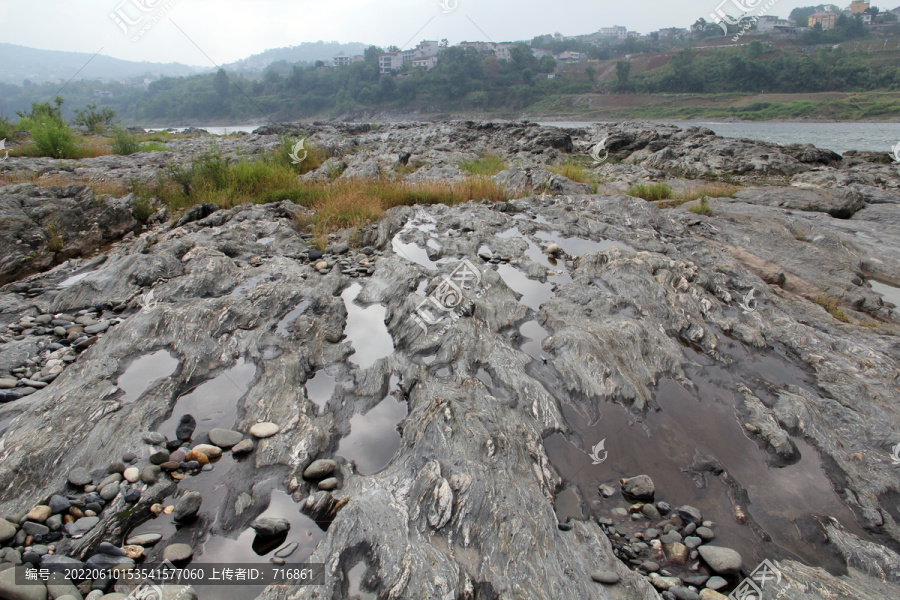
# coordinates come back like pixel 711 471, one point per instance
pixel 763 314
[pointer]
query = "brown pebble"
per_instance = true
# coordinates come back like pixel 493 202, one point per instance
pixel 170 465
pixel 157 509
pixel 243 447
pixel 133 551
pixel 198 456
pixel 68 519
pixel 178 475
pixel 168 510
pixel 116 467
pixel 76 512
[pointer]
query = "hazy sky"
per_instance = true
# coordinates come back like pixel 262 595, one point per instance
pixel 226 30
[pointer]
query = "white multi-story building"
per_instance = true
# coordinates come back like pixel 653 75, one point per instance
pixel 616 31
pixel 390 61
pixel 341 60
pixel 773 24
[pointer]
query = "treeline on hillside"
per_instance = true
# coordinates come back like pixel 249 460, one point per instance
pixel 752 68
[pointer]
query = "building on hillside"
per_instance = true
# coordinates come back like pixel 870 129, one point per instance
pixel 539 53
pixel 634 34
pixel 341 60
pixel 615 31
pixel 501 50
pixel 673 32
pixel 825 19
pixel 426 63
pixel 772 24
pixel 866 18
pixel 858 7
pixel 390 61
pixel 568 56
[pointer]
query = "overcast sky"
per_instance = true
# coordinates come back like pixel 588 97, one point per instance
pixel 222 31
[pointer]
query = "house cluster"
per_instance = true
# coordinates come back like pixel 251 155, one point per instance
pixel 424 56
pixel 826 19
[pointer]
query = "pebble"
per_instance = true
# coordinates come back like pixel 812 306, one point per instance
pixel 186 427
pixel 40 513
pixel 716 583
pixel 9 396
pixel 110 549
pixel 689 514
pixel 177 552
pixel 129 457
pixel 150 474
pixel 132 496
pixel 553 249
pixel 170 465
pixel 177 456
pixel 159 457
pixel 320 469
pixel 264 430
pixel 133 552
pixel 132 474
pixel 692 541
pixel 225 438
pixel 709 594
pixel 79 477
pixel 144 539
pixel 8 383
pixel 321 266
pixel 605 577
pixel 606 490
pixel 705 533
pixel 723 561
pixel 197 457
pixel 82 525
pixel 154 438
pixel 651 512
pixel 677 553
pixel 639 487
pixel 109 491
pixel 187 506
pixel 9 588
pixel 286 550
pixel 209 450
pixel 683 593
pixel 329 484
pixel 244 447
pixel 98 328
pixel 270 527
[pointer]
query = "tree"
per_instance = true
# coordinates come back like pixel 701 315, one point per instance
pixel 221 84
pixel 95 121
pixel 755 49
pixel 623 71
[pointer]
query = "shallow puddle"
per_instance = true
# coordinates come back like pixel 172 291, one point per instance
pixel 374 439
pixel 703 420
pixel 354 579
pixel 250 284
pixel 320 388
pixel 567 505
pixel 69 282
pixel 533 292
pixel 535 334
pixel 888 292
pixel 576 246
pixel 283 327
pixel 143 372
pixel 366 329
pixel 213 403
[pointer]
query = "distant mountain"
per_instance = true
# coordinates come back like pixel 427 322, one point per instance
pixel 305 52
pixel 39 66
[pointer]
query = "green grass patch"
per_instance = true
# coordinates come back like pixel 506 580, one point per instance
pixel 702 208
pixel 575 171
pixel 487 165
pixel 651 192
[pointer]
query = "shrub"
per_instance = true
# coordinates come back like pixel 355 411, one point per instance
pixel 487 164
pixel 55 240
pixel 53 138
pixel 124 142
pixel 153 147
pixel 833 306
pixel 95 121
pixel 652 192
pixel 703 208
pixel 141 209
pixel 6 129
pixel 311 156
pixel 574 171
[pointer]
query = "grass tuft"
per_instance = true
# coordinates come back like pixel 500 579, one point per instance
pixel 486 165
pixel 651 192
pixel 833 306
pixel 703 208
pixel 574 171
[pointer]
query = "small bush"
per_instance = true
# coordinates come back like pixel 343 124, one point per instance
pixel 53 138
pixel 488 164
pixel 55 240
pixel 124 142
pixel 703 208
pixel 153 147
pixel 95 121
pixel 141 210
pixel 652 192
pixel 6 129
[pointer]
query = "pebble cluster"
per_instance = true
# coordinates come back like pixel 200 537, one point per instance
pixel 667 541
pixel 32 536
pixel 352 263
pixel 59 338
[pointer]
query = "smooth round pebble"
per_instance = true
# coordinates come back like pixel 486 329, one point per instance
pixel 264 430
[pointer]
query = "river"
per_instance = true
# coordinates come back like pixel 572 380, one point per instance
pixel 838 136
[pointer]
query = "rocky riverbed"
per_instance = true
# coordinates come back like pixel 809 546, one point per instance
pixel 573 394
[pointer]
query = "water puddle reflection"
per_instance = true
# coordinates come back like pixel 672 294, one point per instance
pixel 145 371
pixel 888 292
pixel 213 403
pixel 374 439
pixel 284 324
pixel 366 329
pixel 320 388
